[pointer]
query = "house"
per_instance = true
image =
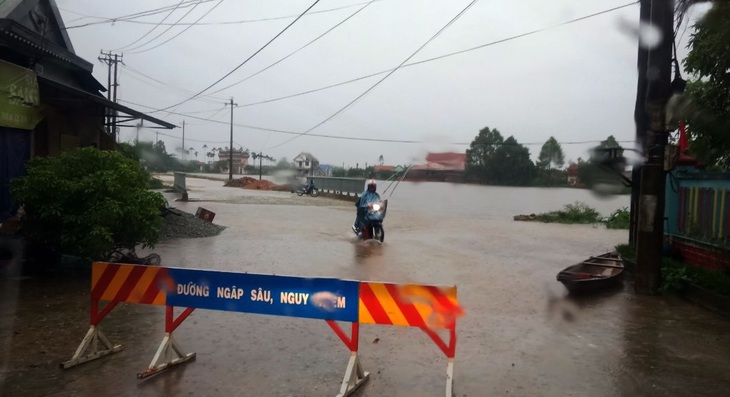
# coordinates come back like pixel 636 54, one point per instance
pixel 49 100
pixel 306 164
pixel 573 174
pixel 240 159
pixel 443 167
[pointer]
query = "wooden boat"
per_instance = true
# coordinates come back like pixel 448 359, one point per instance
pixel 593 274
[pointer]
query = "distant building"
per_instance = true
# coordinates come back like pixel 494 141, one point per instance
pixel 445 167
pixel 240 159
pixel 573 174
pixel 306 164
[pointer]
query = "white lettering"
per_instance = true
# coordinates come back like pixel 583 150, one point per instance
pixel 294 298
pixel 340 302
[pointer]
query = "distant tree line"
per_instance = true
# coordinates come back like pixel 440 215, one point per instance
pixel 491 159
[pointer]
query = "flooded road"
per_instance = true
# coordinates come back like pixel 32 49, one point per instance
pixel 513 339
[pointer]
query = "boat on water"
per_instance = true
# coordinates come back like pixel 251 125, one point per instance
pixel 593 274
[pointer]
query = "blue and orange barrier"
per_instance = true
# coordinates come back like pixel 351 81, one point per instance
pixel 429 308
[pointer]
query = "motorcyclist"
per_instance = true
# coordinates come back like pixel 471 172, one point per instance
pixel 363 203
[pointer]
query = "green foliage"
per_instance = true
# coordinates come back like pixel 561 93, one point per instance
pixel 339 172
pixel 577 212
pixel 709 60
pixel 154 157
pixel 551 155
pixel 493 160
pixel 87 202
pixel 626 251
pixel 619 219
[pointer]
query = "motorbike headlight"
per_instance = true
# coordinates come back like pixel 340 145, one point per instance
pixel 376 207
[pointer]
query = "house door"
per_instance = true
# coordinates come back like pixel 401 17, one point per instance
pixel 14 152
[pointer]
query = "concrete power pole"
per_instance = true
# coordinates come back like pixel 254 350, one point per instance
pixel 657 77
pixel 183 141
pixel 230 148
pixel 111 116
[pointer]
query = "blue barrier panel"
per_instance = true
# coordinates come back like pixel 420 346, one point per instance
pixel 319 298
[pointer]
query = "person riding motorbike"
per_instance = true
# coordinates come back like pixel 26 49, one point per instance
pixel 363 203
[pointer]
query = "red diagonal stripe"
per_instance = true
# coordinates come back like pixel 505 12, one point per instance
pixel 374 307
pixel 441 298
pixel 154 287
pixel 409 311
pixel 130 283
pixel 106 278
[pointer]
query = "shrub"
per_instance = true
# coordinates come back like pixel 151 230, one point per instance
pixel 619 219
pixel 572 213
pixel 87 202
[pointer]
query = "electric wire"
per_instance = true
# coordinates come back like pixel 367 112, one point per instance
pixel 181 32
pixel 443 56
pixel 364 139
pixel 438 33
pixel 297 50
pixel 131 50
pixel 153 28
pixel 247 59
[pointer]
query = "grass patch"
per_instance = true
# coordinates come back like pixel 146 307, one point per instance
pixel 571 214
pixel 676 275
pixel 619 219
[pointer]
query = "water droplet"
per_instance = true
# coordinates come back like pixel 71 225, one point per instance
pixel 650 35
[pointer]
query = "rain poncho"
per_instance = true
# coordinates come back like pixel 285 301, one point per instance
pixel 363 203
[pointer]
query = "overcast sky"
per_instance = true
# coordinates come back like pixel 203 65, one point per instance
pixel 575 82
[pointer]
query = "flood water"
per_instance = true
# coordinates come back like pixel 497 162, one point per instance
pixel 515 338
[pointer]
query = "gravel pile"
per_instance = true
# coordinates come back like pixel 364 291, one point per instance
pixel 255 184
pixel 184 225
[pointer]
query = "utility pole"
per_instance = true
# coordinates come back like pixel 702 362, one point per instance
pixel 183 142
pixel 156 137
pixel 260 165
pixel 111 116
pixel 658 74
pixel 230 148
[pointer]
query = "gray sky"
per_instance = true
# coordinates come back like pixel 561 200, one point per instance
pixel 576 82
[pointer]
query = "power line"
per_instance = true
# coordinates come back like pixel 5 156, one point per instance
pixel 129 50
pixel 206 98
pixel 298 49
pixel 245 21
pixel 247 59
pixel 141 14
pixel 441 56
pixel 454 19
pixel 181 32
pixel 153 28
pixel 361 139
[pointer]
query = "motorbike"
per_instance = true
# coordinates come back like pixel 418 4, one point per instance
pixel 372 229
pixel 307 189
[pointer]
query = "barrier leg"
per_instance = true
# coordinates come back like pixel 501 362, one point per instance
pixel 91 343
pixel 354 374
pixel 89 350
pixel 169 354
pixel 449 350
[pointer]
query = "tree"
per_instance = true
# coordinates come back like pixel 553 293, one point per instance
pixel 551 155
pixel 381 160
pixel 87 202
pixel 709 61
pixel 511 165
pixel 480 155
pixel 283 163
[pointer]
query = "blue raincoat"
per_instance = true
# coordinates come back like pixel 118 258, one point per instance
pixel 362 205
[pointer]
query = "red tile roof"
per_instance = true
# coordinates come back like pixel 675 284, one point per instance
pixel 448 157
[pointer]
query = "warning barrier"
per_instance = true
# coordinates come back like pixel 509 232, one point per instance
pixel 426 307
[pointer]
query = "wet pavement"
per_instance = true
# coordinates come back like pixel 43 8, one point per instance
pixel 515 338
